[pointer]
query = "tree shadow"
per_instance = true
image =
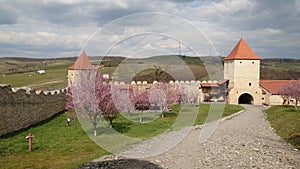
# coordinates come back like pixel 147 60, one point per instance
pixel 14 133
pixel 120 164
pixel 121 127
pixel 295 141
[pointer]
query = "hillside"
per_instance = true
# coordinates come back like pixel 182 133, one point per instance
pixel 21 71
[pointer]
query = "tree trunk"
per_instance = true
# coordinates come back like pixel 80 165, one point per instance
pixel 110 122
pixel 95 129
pixel 95 132
pixel 128 112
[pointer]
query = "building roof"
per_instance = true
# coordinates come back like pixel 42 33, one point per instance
pixel 82 63
pixel 273 86
pixel 209 85
pixel 242 51
pixel 217 84
pixel 223 81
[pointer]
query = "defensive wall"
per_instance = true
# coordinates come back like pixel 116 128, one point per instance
pixel 187 82
pixel 22 107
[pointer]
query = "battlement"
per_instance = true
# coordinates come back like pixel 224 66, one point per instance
pixel 29 91
pixel 187 82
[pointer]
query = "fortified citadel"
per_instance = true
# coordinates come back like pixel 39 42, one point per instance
pixel 21 107
pixel 241 83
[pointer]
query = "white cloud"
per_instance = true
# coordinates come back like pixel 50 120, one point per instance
pixel 63 26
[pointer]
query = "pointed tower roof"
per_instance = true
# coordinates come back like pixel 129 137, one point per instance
pixel 242 51
pixel 82 62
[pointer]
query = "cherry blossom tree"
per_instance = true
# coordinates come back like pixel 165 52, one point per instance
pixel 140 98
pixel 121 97
pixel 295 86
pixel 190 93
pixel 286 94
pixel 289 91
pixel 104 98
pixel 164 94
pixel 91 97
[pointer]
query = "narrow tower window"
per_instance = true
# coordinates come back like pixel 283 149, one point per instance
pixel 250 84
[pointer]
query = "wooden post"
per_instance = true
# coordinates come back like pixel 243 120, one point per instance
pixel 30 137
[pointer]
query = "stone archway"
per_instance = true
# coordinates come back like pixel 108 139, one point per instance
pixel 246 99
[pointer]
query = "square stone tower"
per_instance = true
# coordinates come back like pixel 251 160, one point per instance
pixel 242 69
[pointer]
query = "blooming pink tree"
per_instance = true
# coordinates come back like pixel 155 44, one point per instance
pixel 91 97
pixel 286 94
pixel 164 94
pixel 121 97
pixel 291 90
pixel 104 98
pixel 295 86
pixel 140 98
pixel 189 93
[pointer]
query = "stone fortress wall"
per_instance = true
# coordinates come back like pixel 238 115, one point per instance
pixel 187 82
pixel 190 87
pixel 22 107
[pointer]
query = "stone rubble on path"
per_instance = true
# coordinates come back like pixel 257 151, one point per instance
pixel 243 141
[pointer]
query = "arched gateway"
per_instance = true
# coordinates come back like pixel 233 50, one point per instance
pixel 245 99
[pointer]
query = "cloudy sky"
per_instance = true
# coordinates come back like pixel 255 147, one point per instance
pixel 135 28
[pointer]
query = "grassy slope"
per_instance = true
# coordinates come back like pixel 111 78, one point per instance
pixel 56 145
pixel 56 73
pixel 286 122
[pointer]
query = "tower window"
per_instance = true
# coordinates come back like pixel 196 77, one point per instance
pixel 250 84
pixel 241 62
pixel 252 62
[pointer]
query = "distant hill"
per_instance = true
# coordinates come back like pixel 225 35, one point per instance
pixel 270 68
pixel 280 69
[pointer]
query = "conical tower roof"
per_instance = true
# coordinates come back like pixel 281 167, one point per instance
pixel 82 63
pixel 242 51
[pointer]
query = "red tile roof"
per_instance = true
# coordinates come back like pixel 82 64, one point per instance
pixel 209 85
pixel 273 86
pixel 82 63
pixel 242 52
pixel 222 81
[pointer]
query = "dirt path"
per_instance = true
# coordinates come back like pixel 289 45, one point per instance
pixel 244 141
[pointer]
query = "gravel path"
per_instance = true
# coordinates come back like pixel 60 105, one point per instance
pixel 244 141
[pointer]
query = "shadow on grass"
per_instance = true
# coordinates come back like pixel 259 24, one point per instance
pixel 295 140
pixel 122 127
pixel 12 134
pixel 120 164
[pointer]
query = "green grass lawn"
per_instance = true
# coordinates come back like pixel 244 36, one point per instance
pixel 56 145
pixel 286 122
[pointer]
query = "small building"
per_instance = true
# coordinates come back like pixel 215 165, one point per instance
pixel 270 91
pixel 41 72
pixel 214 92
